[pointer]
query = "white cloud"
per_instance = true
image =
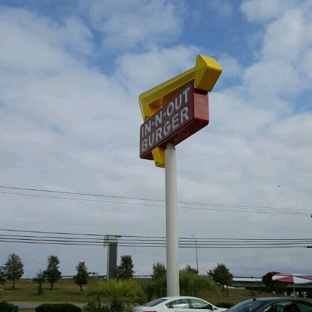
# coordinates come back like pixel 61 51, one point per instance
pixel 231 67
pixel 154 22
pixel 146 70
pixel 264 11
pixel 288 36
pixel 281 67
pixel 306 65
pixel 44 43
pixel 269 78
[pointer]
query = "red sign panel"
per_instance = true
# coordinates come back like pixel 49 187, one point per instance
pixel 182 116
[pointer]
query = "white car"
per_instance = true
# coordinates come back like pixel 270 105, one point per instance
pixel 178 304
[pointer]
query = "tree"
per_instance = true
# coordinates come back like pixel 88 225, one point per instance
pixel 2 275
pixel 125 270
pixel 40 279
pixel 159 271
pixel 221 275
pixel 272 285
pixel 52 273
pixel 191 283
pixel 189 269
pixel 14 268
pixel 82 275
pixel 155 288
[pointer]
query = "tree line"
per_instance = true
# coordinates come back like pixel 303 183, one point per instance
pixel 13 270
pixel 124 289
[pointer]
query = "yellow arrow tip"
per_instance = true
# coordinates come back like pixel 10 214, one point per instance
pixel 207 73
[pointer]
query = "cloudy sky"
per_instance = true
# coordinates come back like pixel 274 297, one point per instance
pixel 70 76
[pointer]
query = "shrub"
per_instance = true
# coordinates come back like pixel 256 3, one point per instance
pixel 95 306
pixel 225 305
pixel 120 296
pixel 62 307
pixel 6 307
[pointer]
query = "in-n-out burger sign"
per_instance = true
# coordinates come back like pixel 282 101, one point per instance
pixel 185 114
pixel 175 109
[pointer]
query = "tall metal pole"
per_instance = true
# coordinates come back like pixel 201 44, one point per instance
pixel 196 254
pixel 172 249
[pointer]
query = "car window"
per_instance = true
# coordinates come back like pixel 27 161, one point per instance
pixel 200 304
pixel 285 306
pixel 155 302
pixel 304 306
pixel 270 308
pixel 247 306
pixel 291 307
pixel 281 306
pixel 178 304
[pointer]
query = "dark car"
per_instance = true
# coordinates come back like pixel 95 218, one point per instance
pixel 272 304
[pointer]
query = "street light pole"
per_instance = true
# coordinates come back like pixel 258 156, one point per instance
pixel 196 254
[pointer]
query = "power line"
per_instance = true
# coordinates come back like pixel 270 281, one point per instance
pixel 143 237
pixel 182 204
pixel 77 193
pixel 147 246
pixel 88 239
pixel 48 232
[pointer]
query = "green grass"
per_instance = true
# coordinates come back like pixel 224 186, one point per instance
pixel 65 290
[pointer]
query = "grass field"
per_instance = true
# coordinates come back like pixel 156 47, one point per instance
pixel 66 291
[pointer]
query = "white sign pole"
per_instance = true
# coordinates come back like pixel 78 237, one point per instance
pixel 173 288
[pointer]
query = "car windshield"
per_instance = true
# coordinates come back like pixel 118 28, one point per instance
pixel 247 306
pixel 154 302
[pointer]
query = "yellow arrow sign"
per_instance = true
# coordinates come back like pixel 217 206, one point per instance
pixel 205 75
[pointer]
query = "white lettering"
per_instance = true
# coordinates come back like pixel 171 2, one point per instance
pixel 184 114
pixel 158 134
pixel 170 109
pixel 177 106
pixel 147 127
pixel 185 92
pixel 175 121
pixel 167 128
pixel 158 119
pixel 151 139
pixel 144 145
